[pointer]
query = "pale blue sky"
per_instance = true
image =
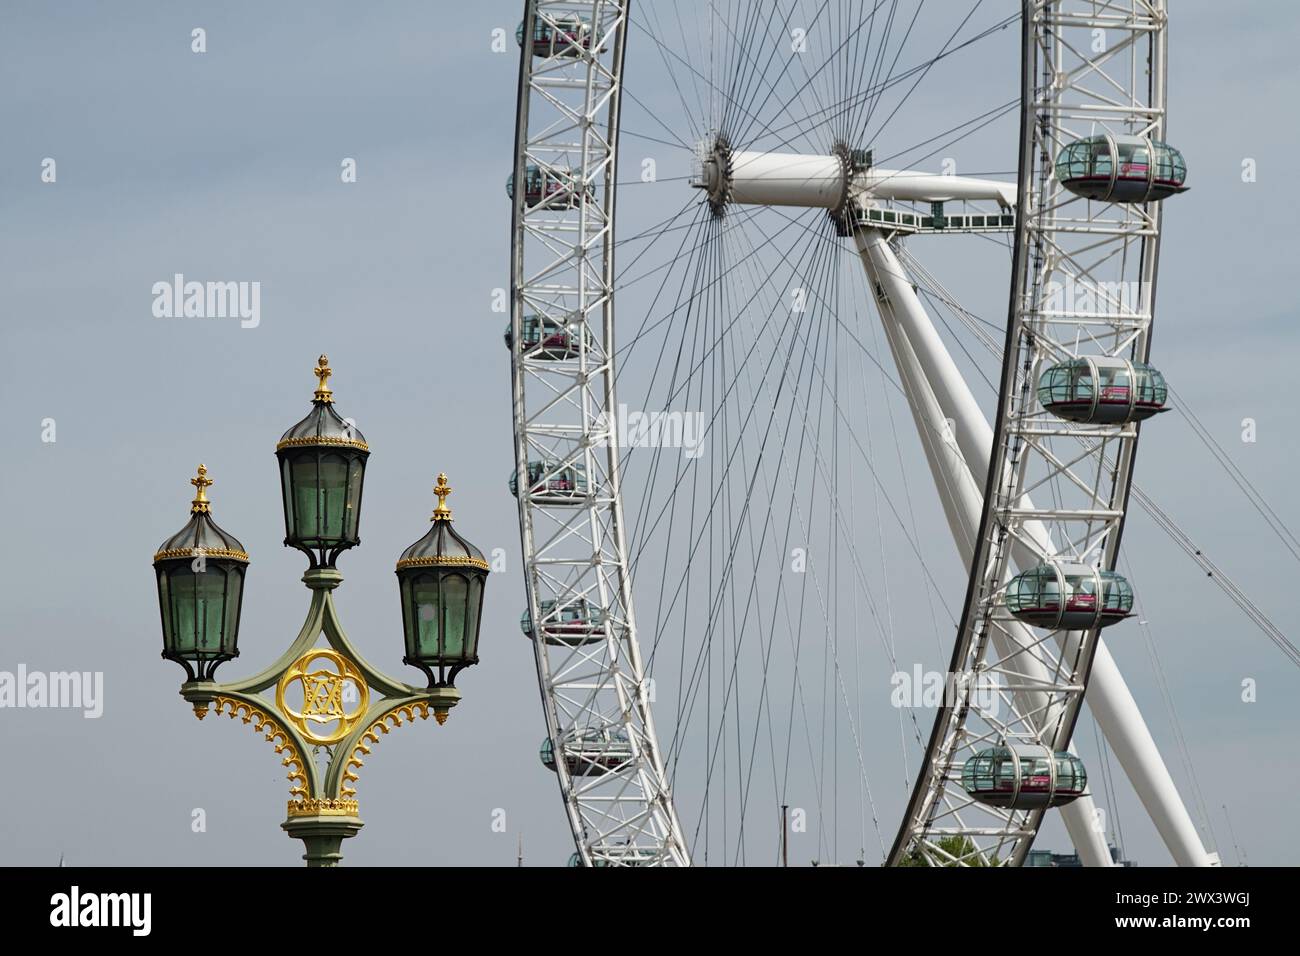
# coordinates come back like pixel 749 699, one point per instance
pixel 226 166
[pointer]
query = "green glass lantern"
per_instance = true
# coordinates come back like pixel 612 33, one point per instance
pixel 200 572
pixel 322 469
pixel 441 579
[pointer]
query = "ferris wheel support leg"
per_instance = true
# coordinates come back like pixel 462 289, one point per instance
pixel 970 428
pixel 962 495
pixel 961 498
pixel 962 501
pixel 1109 698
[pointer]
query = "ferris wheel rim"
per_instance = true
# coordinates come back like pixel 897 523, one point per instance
pixel 571 795
pixel 1034 12
pixel 630 690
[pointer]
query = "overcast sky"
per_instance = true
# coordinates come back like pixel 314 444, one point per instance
pixel 226 165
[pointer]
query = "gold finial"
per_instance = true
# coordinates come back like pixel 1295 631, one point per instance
pixel 442 490
pixel 199 506
pixel 323 371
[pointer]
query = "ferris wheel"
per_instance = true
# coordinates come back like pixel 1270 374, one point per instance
pixel 772 280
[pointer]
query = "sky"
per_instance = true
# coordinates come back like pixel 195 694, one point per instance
pixel 226 165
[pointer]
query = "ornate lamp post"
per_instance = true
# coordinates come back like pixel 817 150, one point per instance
pixel 321 695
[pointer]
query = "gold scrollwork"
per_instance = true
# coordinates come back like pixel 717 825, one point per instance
pixel 323 807
pixel 325 698
pixel 443 560
pixel 202 552
pixel 400 713
pixel 264 724
pixel 309 440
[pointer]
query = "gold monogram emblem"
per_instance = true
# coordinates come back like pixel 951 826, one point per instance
pixel 334 696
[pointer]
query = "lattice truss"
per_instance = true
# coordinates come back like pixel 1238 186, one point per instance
pixel 593 686
pixel 1085 286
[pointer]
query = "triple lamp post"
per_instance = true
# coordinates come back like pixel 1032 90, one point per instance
pixel 320 698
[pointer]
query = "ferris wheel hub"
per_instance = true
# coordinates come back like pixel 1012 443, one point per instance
pixel 834 181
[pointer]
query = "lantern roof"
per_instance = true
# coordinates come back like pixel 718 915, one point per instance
pixel 323 425
pixel 201 536
pixel 442 546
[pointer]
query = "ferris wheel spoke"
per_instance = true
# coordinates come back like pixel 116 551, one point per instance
pixel 862 107
pixel 842 691
pixel 728 570
pixel 649 326
pixel 756 80
pixel 943 52
pixel 957 134
pixel 732 451
pixel 744 132
pixel 662 228
pixel 694 117
pixel 698 366
pixel 679 145
pixel 757 76
pixel 679 142
pixel 782 394
pixel 819 463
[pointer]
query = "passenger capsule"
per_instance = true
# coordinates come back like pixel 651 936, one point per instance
pixel 553 483
pixel 550 188
pixel 576 860
pixel 593 753
pixel 550 339
pixel 564 34
pixel 1113 168
pixel 1071 597
pixel 1024 777
pixel 1103 391
pixel 573 625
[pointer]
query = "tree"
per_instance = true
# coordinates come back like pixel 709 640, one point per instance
pixel 957 846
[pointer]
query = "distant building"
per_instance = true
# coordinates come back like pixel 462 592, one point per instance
pixel 1048 858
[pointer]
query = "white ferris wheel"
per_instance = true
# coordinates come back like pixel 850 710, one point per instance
pixel 702 426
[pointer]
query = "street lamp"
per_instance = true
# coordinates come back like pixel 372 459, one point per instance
pixel 200 572
pixel 321 695
pixel 322 467
pixel 441 578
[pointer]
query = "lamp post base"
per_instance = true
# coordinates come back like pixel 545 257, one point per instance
pixel 322 836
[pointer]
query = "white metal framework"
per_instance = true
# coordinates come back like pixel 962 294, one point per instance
pixel 1083 285
pixel 573 542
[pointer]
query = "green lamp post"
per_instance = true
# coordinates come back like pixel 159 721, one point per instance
pixel 321 697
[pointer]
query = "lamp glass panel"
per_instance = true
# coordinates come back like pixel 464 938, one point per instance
pixel 474 605
pixel 287 490
pixel 306 497
pixel 197 612
pixel 455 594
pixel 230 621
pixel 165 604
pixel 333 487
pixel 320 492
pixel 352 504
pixel 427 604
